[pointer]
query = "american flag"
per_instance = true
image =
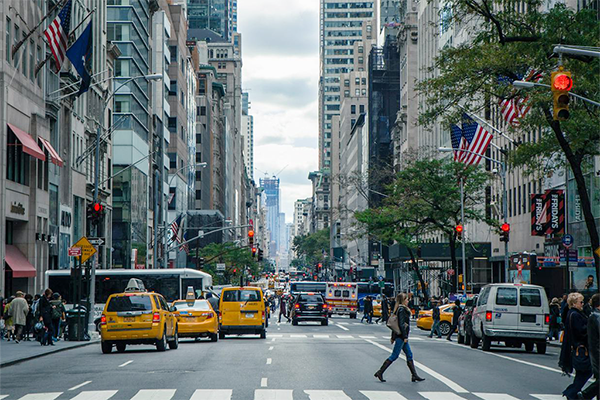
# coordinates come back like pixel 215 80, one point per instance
pixel 458 142
pixel 175 228
pixel 514 109
pixel 185 247
pixel 478 139
pixel 57 35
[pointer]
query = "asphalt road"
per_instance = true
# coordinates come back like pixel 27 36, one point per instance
pixel 309 362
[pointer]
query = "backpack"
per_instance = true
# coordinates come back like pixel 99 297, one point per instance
pixel 56 312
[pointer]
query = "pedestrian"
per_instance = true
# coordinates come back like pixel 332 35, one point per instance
pixel 29 323
pixel 555 319
pixel 45 311
pixel 400 341
pixel 283 308
pixel 18 310
pixel 456 312
pixel 367 310
pixel 593 332
pixel 58 315
pixel 8 320
pixel 435 315
pixel 574 346
pixel 214 302
pixel 385 309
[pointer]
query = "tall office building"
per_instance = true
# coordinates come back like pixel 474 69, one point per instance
pixel 272 201
pixel 248 132
pixel 341 26
pixel 214 15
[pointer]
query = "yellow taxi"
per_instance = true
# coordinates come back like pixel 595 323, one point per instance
pixel 377 308
pixel 425 321
pixel 196 319
pixel 137 317
pixel 242 311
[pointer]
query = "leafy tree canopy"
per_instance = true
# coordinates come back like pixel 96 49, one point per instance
pixel 235 258
pixel 313 247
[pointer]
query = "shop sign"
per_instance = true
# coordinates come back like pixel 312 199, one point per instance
pixel 17 205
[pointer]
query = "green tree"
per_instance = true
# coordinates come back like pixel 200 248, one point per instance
pixel 236 259
pixel 312 248
pixel 425 199
pixel 507 43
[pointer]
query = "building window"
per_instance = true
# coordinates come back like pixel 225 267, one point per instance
pixel 198 138
pixel 364 81
pixel 172 124
pixel 352 109
pixel 172 160
pixel 198 175
pixel 17 162
pixel 7 39
pixel 362 108
pixel 364 92
pixel 173 88
pixel 346 93
pixel 15 40
pixel 202 110
pixel 31 60
pixel 173 51
pixel 357 81
pixel 357 92
pixel 361 60
pixel 360 49
pixel 346 82
pixel 198 194
pixel 24 61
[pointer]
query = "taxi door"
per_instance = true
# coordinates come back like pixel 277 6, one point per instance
pixel 252 307
pixel 167 315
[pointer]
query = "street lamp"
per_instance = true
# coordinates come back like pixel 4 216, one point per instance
pixel 504 208
pixel 530 85
pixel 198 165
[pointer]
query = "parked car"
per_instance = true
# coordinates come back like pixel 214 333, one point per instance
pixel 512 313
pixel 465 322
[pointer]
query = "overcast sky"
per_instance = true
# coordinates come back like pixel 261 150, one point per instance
pixel 280 52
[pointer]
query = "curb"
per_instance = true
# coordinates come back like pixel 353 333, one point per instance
pixel 20 360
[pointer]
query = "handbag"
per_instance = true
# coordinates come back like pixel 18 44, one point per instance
pixel 392 323
pixel 581 358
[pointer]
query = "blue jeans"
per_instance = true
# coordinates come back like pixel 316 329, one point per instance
pixel 435 328
pixel 399 346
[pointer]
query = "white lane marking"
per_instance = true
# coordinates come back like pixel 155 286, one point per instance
pixel 547 396
pixel 278 329
pixel 126 363
pixel 271 348
pixel 452 385
pixel 212 394
pixel 273 335
pixel 297 336
pixel 366 337
pixel 381 395
pixel 273 394
pixel 345 336
pixel 321 336
pixel 495 396
pixel 263 382
pixel 344 323
pixel 41 396
pixel 95 395
pixel 2 396
pixel 327 395
pixel 526 362
pixel 341 326
pixel 269 361
pixel 413 338
pixel 441 396
pixel 80 385
pixel 154 394
pixel 272 340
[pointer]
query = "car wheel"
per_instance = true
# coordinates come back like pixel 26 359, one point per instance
pixel 324 322
pixel 221 335
pixel 541 347
pixel 174 344
pixel 353 316
pixel 467 339
pixel 529 347
pixel 461 339
pixel 214 337
pixel 263 334
pixel 121 347
pixel 474 342
pixel 486 343
pixel 294 322
pixel 445 328
pixel 161 345
pixel 106 347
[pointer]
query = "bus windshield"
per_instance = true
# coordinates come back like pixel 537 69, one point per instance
pixel 308 286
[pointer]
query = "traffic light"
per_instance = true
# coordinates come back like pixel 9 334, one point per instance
pixel 459 232
pixel 253 251
pixel 561 84
pixel 95 212
pixel 504 232
pixel 251 240
pixel 260 255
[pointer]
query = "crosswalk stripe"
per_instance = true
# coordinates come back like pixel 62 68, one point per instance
pixel 548 396
pixel 3 396
pixel 366 337
pixel 273 394
pixel 343 323
pixel 441 396
pixel 41 396
pixel 321 336
pixel 298 336
pixel 95 395
pixel 327 395
pixel 381 395
pixel 345 336
pixel 275 335
pixel 212 394
pixel 495 396
pixel 154 394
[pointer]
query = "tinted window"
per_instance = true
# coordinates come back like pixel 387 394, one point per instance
pixel 346 293
pixel 483 297
pixel 241 295
pixel 308 287
pixel 337 293
pixel 530 298
pixel 130 303
pixel 192 305
pixel 506 296
pixel 310 298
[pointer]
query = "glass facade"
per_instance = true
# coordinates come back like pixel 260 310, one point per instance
pixel 210 14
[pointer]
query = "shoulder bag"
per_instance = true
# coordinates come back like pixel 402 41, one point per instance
pixel 580 356
pixel 392 323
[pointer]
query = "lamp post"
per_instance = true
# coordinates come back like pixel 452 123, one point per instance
pixel 92 293
pixel 504 207
pixel 530 85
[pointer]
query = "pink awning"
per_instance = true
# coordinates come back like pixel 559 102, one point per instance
pixel 29 145
pixel 21 267
pixel 54 157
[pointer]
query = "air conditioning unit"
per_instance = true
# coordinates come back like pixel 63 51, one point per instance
pixel 414 36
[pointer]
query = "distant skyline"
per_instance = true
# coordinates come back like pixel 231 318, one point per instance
pixel 280 54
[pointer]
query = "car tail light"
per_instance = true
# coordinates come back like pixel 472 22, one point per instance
pixel 547 319
pixel 211 315
pixel 263 314
pixel 297 306
pixel 103 320
pixel 325 306
pixel 156 317
pixel 488 316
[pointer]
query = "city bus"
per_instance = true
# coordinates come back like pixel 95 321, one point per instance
pixel 171 283
pixel 372 289
pixel 308 286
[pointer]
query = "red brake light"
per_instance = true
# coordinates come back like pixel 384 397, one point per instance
pixel 297 305
pixel 211 315
pixel 488 316
pixel 547 319
pixel 103 320
pixel 325 306
pixel 156 317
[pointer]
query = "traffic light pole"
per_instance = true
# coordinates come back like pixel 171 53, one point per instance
pixel 462 220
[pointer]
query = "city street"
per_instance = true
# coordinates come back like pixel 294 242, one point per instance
pixel 308 361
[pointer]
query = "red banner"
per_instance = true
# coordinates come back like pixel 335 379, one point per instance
pixel 538 215
pixel 555 212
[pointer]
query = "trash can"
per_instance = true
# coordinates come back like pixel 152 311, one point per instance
pixel 76 324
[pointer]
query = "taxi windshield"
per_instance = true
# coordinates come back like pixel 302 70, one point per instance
pixel 129 303
pixel 192 305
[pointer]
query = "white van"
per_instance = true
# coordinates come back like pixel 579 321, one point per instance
pixel 512 313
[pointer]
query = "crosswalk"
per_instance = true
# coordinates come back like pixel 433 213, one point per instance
pixel 275 394
pixel 332 336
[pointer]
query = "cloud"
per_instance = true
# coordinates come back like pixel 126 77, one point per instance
pixel 294 92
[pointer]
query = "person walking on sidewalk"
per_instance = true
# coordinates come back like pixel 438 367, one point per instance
pixel 435 315
pixel 9 320
pixel 555 319
pixel 456 312
pixel 18 310
pixel 45 309
pixel 58 315
pixel 593 331
pixel 368 310
pixel 400 341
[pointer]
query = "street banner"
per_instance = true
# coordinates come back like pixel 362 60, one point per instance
pixel 555 212
pixel 538 214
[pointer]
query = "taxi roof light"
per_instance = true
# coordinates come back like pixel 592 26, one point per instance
pixel 135 285
pixel 191 294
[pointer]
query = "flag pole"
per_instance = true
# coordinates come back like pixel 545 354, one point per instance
pixel 478 118
pixel 17 46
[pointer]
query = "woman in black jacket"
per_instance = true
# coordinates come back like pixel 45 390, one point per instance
pixel 45 309
pixel 575 336
pixel 401 341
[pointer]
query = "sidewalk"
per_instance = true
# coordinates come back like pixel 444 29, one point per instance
pixel 12 353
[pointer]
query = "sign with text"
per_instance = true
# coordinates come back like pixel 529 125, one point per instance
pixel 74 251
pixel 548 213
pixel 87 249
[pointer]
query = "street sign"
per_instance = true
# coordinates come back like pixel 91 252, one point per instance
pixel 74 251
pixel 220 267
pixel 597 251
pixel 567 240
pixel 87 249
pixel 451 272
pixel 96 241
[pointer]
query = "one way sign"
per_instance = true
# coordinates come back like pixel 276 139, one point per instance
pixel 96 241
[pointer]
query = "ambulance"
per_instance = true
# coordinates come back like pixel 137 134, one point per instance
pixel 342 298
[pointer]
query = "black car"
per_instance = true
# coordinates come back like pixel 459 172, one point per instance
pixel 465 322
pixel 309 307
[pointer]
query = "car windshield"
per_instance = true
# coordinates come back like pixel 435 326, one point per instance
pixel 201 305
pixel 130 303
pixel 241 295
pixel 310 298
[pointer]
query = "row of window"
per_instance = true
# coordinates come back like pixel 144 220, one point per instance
pixel 29 55
pixel 343 33
pixel 343 24
pixel 364 14
pixel 344 5
pixel 357 92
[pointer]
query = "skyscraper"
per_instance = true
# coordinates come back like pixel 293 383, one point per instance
pixel 214 15
pixel 272 200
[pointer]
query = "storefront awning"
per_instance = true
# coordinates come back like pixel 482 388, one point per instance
pixel 54 157
pixel 29 145
pixel 18 263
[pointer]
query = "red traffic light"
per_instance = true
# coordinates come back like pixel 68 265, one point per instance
pixel 320 265
pixel 505 227
pixel 562 82
pixel 97 207
pixel 253 250
pixel 250 233
pixel 459 228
